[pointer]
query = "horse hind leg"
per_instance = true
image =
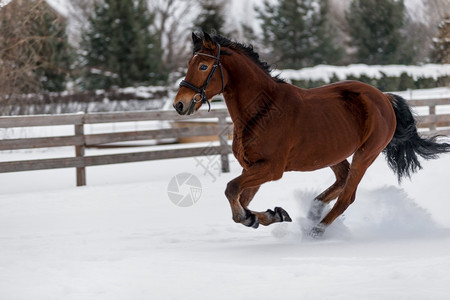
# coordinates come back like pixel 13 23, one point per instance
pixel 360 163
pixel 318 204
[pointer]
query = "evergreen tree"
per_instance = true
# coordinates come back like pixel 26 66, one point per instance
pixel 299 33
pixel 376 32
pixel 211 18
pixel 120 49
pixel 248 34
pixel 56 54
pixel 442 42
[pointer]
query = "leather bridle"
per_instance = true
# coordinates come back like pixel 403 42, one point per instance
pixel 201 91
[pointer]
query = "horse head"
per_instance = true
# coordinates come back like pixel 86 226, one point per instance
pixel 202 82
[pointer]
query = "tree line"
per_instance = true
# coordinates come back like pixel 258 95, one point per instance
pixel 142 42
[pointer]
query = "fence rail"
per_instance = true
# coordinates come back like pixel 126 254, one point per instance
pixel 80 140
pixel 435 123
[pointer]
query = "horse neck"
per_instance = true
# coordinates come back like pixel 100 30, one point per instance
pixel 248 85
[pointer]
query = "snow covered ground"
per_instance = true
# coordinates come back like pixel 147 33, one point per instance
pixel 121 237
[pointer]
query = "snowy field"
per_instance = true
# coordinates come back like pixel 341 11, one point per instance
pixel 121 237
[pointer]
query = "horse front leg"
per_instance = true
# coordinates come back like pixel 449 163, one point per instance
pixel 241 190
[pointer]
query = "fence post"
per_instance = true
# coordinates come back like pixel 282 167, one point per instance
pixel 223 139
pixel 79 152
pixel 432 112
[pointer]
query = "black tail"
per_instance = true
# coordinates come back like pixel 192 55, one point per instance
pixel 402 151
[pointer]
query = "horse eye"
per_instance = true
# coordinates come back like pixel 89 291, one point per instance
pixel 203 67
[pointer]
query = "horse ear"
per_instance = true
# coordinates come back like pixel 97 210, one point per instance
pixel 208 42
pixel 195 38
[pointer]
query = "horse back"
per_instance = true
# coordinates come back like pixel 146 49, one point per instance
pixel 333 121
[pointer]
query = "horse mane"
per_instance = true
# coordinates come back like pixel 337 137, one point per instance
pixel 246 50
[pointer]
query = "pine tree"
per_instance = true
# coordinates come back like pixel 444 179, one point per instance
pixel 299 33
pixel 376 30
pixel 56 53
pixel 211 18
pixel 442 42
pixel 120 49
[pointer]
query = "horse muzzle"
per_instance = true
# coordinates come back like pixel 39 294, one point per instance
pixel 184 109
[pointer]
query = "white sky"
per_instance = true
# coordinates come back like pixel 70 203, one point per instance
pixel 4 2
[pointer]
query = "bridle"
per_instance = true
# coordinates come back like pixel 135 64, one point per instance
pixel 201 91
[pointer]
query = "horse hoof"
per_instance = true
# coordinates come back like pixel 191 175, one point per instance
pixel 255 223
pixel 315 211
pixel 284 216
pixel 317 231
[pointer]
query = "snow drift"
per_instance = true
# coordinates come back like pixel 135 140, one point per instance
pixel 119 240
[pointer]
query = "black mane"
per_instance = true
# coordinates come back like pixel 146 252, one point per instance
pixel 245 49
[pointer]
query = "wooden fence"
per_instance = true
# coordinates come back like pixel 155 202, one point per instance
pixel 80 140
pixel 435 123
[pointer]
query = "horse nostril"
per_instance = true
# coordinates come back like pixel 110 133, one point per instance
pixel 179 107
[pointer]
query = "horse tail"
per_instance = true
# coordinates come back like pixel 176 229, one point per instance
pixel 401 153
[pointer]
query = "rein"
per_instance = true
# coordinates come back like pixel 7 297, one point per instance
pixel 201 91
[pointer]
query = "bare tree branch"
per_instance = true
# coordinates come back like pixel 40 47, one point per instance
pixel 22 51
pixel 173 21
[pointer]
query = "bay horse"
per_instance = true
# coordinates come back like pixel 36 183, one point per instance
pixel 279 127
